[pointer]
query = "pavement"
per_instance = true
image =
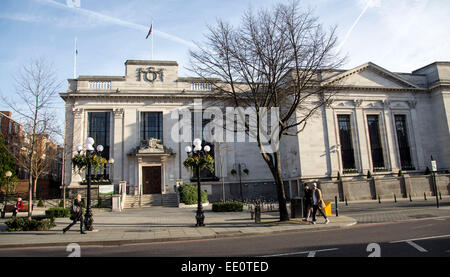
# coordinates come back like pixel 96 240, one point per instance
pixel 159 224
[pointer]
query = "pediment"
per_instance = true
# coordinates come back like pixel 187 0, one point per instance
pixel 370 75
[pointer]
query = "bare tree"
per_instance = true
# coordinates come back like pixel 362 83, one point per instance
pixel 274 59
pixel 36 92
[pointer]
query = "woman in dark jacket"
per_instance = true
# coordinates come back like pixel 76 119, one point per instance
pixel 76 214
pixel 307 202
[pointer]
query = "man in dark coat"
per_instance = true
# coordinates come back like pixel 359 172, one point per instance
pixel 76 215
pixel 307 202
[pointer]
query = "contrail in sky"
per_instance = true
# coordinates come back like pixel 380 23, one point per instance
pixel 118 21
pixel 347 35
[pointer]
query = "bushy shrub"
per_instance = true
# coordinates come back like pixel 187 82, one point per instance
pixel 227 207
pixel 40 203
pixel 61 203
pixel 188 194
pixel 35 224
pixel 100 203
pixel 58 212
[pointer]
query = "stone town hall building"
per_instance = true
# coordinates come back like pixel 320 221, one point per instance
pixel 381 122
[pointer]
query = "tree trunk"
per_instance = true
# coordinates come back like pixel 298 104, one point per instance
pixel 275 168
pixel 30 196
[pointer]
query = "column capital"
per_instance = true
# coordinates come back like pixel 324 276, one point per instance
pixel 77 112
pixel 118 113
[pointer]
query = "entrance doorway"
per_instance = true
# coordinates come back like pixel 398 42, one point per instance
pixel 151 179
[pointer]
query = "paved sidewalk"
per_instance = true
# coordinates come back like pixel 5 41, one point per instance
pixel 158 224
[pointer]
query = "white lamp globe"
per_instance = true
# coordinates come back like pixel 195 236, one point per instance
pixel 90 140
pixel 197 148
pixel 207 148
pixel 188 149
pixel 89 147
pixel 8 173
pixel 79 148
pixel 100 148
pixel 197 142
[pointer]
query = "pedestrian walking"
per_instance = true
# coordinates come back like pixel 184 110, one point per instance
pixel 307 202
pixel 76 212
pixel 318 204
pixel 18 207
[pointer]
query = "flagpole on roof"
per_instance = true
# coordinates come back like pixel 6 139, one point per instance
pixel 152 39
pixel 75 52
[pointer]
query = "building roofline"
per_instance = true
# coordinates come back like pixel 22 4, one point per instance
pixel 10 118
pixel 433 63
pixel 150 62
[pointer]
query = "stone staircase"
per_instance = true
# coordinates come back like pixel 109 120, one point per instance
pixel 149 200
pixel 170 200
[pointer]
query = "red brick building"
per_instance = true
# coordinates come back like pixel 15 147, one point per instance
pixel 50 181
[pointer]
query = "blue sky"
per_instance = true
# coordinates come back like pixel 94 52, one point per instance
pixel 400 35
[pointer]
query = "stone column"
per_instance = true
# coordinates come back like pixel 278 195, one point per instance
pixel 333 148
pixel 417 146
pixel 118 147
pixel 390 136
pixel 77 137
pixel 362 148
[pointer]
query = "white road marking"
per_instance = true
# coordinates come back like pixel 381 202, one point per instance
pixel 311 253
pixel 425 238
pixel 415 245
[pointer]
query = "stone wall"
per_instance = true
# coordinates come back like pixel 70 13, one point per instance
pixel 385 187
pixel 363 189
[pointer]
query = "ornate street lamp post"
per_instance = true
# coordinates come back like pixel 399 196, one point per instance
pixel 89 154
pixel 198 153
pixel 8 175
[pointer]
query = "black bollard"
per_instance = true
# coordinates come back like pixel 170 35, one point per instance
pixel 379 199
pixel 440 195
pixel 395 198
pixel 258 213
pixel 336 204
pixel 424 196
pixel 346 204
pixel 410 199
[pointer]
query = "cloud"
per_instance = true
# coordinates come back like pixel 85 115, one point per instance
pixel 116 21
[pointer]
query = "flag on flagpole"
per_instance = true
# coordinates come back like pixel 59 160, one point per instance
pixel 75 54
pixel 149 31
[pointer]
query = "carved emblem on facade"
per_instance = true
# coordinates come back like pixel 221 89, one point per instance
pixel 150 74
pixel 152 146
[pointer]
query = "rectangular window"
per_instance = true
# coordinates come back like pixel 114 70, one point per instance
pixel 375 143
pixel 151 125
pixel 403 142
pixel 99 130
pixel 345 136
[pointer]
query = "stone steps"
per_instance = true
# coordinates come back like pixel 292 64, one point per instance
pixel 148 200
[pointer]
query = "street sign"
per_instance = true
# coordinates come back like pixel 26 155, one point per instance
pixel 106 189
pixel 433 166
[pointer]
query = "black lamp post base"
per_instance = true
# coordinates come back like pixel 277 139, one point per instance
pixel 88 221
pixel 200 219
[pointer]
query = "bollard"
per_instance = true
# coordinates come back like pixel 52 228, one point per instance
pixel 258 213
pixel 346 204
pixel 336 204
pixel 410 199
pixel 425 196
pixel 379 199
pixel 395 198
pixel 440 195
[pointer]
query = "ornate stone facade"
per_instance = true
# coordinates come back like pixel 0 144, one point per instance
pixel 386 121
